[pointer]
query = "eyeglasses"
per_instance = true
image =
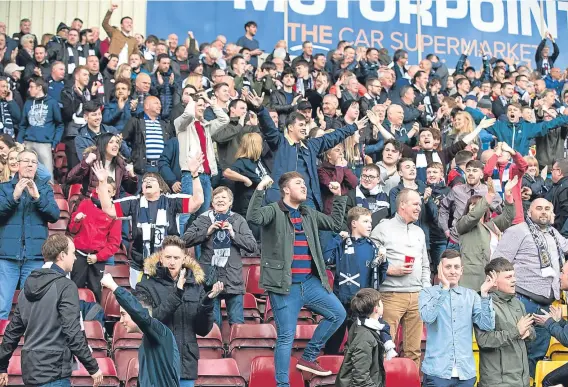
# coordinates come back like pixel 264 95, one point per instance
pixel 556 169
pixel 368 177
pixel 26 161
pixel 150 180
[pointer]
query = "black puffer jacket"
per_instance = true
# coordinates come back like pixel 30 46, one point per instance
pixel 187 313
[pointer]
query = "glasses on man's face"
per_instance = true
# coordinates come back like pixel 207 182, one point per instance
pixel 28 161
pixel 150 180
pixel 368 177
pixel 556 169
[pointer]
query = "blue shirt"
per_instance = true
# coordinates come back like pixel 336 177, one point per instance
pixel 449 316
pixel 251 44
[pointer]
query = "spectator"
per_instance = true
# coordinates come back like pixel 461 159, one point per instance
pixel 438 241
pixel 222 235
pixel 400 59
pixel 293 269
pixel 545 61
pixel 158 356
pixel 97 238
pixel 534 185
pixel 47 315
pixel 550 147
pixel 96 79
pixel 56 81
pixel 10 112
pixel 41 127
pixel 122 42
pixel 503 351
pixel 69 52
pixel 536 250
pixel 330 105
pixel 25 51
pixel 373 95
pixel 408 272
pixel 175 291
pixel 169 167
pixel 392 152
pixel 450 362
pixel 166 84
pixel 285 99
pixel 456 202
pixel 333 171
pixel 369 194
pixel 119 110
pixel 40 67
pixel 558 195
pixel 248 41
pixel 457 174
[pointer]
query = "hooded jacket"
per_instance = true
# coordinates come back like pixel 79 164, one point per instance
pixel 41 122
pixel 186 313
pixel 48 314
pixel 558 196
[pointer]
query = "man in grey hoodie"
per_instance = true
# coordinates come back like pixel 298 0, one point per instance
pixel 408 272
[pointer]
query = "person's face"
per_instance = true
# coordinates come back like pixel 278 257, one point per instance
pixel 2 41
pixel 113 64
pixel 182 53
pixel 545 51
pixel 298 130
pixel 390 155
pixel 459 122
pixel 522 83
pixel 422 80
pixel 150 186
pixel 541 212
pixel 187 93
pixel 302 71
pixel 83 78
pixel 73 37
pixel 540 86
pixel 173 41
pixel 58 72
pixel 465 86
pixel 172 258
pixel 452 270
pixel 27 165
pixel 335 154
pixel 39 54
pixel 434 175
pixel 369 179
pixel 223 95
pixel 246 55
pixel 374 88
pixel 4 89
pixel 217 76
pixel 320 62
pixel 532 168
pixel 35 91
pixel 2 28
pixel 112 147
pixel 296 189
pixel 564 278
pixel 135 61
pixel 126 25
pixel 396 115
pixel 353 85
pixel 506 282
pixel 363 226
pixel 240 66
pixel 239 110
pixel 252 30
pixel 556 173
pixel 222 202
pixel 373 56
pixel 13 163
pixel 473 175
pixel 508 91
pixel 407 170
pixel 155 106
pixel 410 96
pixel 164 65
pixel 349 55
pixel 94 119
pixel 486 88
pixel 513 114
pixel 528 115
pixel 93 64
pixel 127 322
pixel 329 106
pixel 426 140
pixel 550 98
pixel 353 111
pixel 67 258
pixel 274 116
pixel 26 27
pixel 288 80
pixel 308 49
pixel 77 25
pixel 410 209
pixel 143 83
pixel 4 149
pixel 126 72
pixel 279 63
pixel 403 60
pixel 161 49
pixel 500 75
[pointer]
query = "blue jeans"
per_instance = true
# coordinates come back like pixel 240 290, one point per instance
pixel 453 246
pixel 186 383
pixel 205 180
pixel 13 272
pixel 234 304
pixel 58 383
pixel 433 381
pixel 437 248
pixel 186 188
pixel 286 308
pixel 537 348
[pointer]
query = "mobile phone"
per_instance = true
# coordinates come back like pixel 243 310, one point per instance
pixel 409 259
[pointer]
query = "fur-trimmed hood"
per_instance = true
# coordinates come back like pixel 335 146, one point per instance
pixel 151 267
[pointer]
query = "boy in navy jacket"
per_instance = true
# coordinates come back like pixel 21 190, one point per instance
pixel 358 264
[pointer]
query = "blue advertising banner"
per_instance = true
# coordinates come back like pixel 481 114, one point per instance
pixel 503 28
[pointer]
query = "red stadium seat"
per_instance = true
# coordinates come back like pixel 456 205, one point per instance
pixel 15 372
pixel 249 341
pixel 124 340
pixel 121 256
pixel 245 273
pixel 305 317
pixel 250 309
pixel 120 273
pixel 82 378
pixel 327 362
pixel 304 334
pixel 59 227
pixel 253 282
pixel 400 339
pixel 63 208
pixel 122 359
pixel 401 372
pixel 58 192
pixel 110 305
pixel 96 338
pixel 86 295
pixel 262 373
pixel 218 372
pixel 132 373
pixel 211 346
pixel 74 196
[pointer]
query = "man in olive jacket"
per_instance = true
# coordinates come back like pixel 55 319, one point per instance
pixel 293 269
pixel 503 359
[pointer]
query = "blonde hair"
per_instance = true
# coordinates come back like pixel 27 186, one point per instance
pixel 250 147
pixel 5 175
pixel 469 124
pixel 352 151
pixel 532 160
pixel 119 70
pixel 195 80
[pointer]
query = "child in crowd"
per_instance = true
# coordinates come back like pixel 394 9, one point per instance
pixel 366 346
pixel 438 241
pixel 358 264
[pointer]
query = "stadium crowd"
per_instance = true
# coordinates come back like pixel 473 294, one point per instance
pixel 407 209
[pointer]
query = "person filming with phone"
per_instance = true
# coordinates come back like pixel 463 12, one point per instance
pixel 408 272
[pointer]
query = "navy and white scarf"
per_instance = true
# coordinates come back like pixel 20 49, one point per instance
pixel 153 234
pixel 221 240
pixel 499 183
pixel 422 164
pixel 381 198
pixel 539 238
pixel 6 122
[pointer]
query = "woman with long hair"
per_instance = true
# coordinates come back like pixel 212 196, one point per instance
pixel 462 125
pixel 534 184
pixel 123 72
pixel 479 233
pixel 12 162
pixel 195 80
pixel 335 169
pixel 106 150
pixel 354 153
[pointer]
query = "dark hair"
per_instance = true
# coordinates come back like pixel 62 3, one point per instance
pixel 293 117
pixel 91 107
pixel 474 164
pixel 162 56
pixel 152 39
pixel 450 254
pixel 417 75
pixel 234 103
pixel 144 299
pixel 372 167
pixel 173 240
pixel 405 89
pixel 218 86
pixel 461 80
pixel 302 62
pixel 305 42
pixel 39 81
pixel 498 265
pixel 250 23
pixel 124 18
pixel 505 84
pixel 101 143
pixel 287 71
pixel 371 49
pixel 8 140
pixel 79 20
pixel 398 54
pixel 395 143
pixel 364 302
pixel 268 65
pixel 463 156
pixel 563 166
pixel 40 46
pixel 402 161
pixel 235 59
pixel 474 200
pixel 53 246
pixel 369 81
pixel 318 55
pixel 285 178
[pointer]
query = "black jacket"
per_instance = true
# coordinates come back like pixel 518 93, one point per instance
pixel 558 196
pixel 134 133
pixel 28 74
pixel 187 313
pixel 72 102
pixel 47 315
pixel 280 105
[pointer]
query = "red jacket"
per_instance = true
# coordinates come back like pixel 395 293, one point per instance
pixel 97 233
pixel 328 173
pixel 518 168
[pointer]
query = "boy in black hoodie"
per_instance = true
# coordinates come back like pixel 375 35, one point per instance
pixel 438 241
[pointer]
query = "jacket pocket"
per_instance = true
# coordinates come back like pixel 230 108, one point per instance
pixel 271 273
pixel 40 367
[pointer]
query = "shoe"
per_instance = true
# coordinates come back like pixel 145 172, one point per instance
pixel 313 367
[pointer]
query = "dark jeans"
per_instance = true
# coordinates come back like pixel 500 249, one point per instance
pixel 433 381
pixel 334 343
pixel 558 376
pixel 58 383
pixel 70 152
pixel 89 276
pixel 537 348
pixel 234 304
